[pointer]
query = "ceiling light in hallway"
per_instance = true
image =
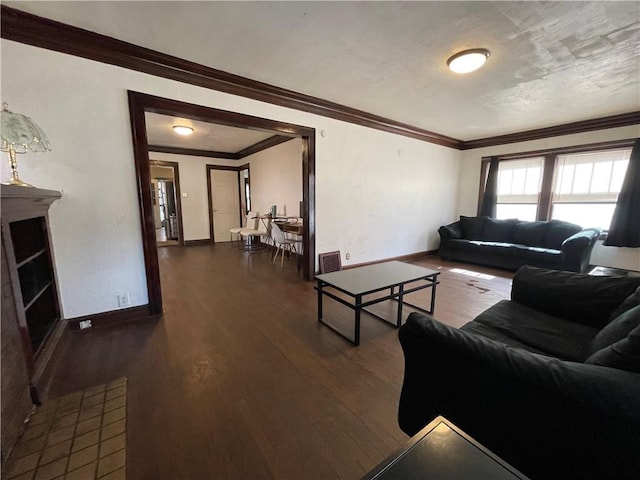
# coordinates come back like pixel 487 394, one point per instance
pixel 183 130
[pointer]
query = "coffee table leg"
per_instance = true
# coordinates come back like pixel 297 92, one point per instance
pixel 358 309
pixel 433 294
pixel 400 301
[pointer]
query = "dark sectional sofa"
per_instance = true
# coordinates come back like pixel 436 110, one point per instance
pixel 549 381
pixel 512 243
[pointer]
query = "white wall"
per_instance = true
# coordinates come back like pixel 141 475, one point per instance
pixel 381 197
pixel 276 178
pixel 193 183
pixel 469 182
pixel 378 195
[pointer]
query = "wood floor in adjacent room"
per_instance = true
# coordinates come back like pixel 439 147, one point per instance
pixel 238 379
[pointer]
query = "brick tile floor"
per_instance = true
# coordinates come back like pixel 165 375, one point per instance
pixel 79 436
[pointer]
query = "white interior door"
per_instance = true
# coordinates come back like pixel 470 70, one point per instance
pixel 225 199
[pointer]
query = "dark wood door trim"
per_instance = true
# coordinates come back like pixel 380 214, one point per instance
pixel 140 103
pixel 178 194
pixel 143 181
pixel 210 196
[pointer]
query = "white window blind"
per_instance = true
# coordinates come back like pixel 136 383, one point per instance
pixel 586 186
pixel 519 184
pixel 519 180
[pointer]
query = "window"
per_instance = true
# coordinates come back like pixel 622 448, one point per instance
pixel 576 184
pixel 519 188
pixel 586 186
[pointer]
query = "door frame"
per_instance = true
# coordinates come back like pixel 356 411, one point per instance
pixel 140 103
pixel 210 196
pixel 176 183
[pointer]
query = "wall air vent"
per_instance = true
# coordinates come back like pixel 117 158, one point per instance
pixel 330 262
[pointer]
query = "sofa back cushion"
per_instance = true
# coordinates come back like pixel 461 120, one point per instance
pixel 472 227
pixel 530 233
pixel 629 302
pixel 557 232
pixel 617 329
pixel 498 230
pixel 577 297
pixel 623 354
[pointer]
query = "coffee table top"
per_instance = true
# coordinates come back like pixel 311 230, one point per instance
pixel 371 278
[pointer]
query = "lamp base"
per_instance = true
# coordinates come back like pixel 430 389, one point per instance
pixel 17 181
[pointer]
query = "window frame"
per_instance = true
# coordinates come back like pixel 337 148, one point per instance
pixel 549 167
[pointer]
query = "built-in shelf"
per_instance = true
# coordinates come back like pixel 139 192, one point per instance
pixel 37 296
pixel 32 257
pixel 31 323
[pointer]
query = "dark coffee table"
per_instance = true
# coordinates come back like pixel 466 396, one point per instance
pixel 441 451
pixel 361 282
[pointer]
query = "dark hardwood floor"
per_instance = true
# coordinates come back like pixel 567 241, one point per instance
pixel 238 379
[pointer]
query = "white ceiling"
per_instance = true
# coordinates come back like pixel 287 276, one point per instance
pixel 205 136
pixel 551 62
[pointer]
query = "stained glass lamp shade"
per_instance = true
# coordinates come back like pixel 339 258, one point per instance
pixel 20 134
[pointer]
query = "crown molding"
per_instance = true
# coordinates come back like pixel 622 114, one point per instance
pixel 30 29
pixel 42 32
pixel 245 152
pixel 193 152
pixel 263 145
pixel 613 121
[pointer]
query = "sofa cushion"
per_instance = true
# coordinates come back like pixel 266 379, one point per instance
pixel 472 227
pixel 505 338
pixel 629 302
pixel 538 254
pixel 494 248
pixel 624 354
pixel 519 326
pixel 577 297
pixel 530 233
pixel 557 232
pixel 496 230
pixel 617 329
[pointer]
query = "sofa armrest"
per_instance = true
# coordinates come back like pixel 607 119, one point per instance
pixel 548 418
pixel 448 232
pixel 577 297
pixel 451 231
pixel 577 249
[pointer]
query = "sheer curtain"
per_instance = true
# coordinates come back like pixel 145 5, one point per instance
pixel 490 197
pixel 625 224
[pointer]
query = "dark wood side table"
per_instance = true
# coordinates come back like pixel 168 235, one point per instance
pixel 441 451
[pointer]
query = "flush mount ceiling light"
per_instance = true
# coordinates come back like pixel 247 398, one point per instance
pixel 183 130
pixel 468 60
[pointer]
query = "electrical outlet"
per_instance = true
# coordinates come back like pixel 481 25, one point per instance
pixel 347 256
pixel 85 324
pixel 123 299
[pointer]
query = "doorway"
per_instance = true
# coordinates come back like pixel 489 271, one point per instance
pixel 223 190
pixel 165 198
pixel 140 103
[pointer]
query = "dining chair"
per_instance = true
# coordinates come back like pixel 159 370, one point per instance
pixel 281 243
pixel 262 231
pixel 250 222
